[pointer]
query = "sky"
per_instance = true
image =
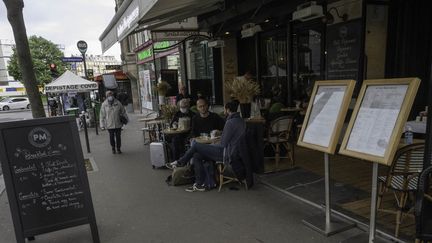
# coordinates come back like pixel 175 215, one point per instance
pixel 65 23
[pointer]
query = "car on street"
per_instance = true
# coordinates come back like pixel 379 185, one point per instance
pixel 11 103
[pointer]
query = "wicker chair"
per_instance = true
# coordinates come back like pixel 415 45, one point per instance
pixel 278 135
pixel 423 207
pixel 402 180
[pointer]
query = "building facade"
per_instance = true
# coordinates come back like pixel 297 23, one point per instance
pixel 5 55
pixel 96 65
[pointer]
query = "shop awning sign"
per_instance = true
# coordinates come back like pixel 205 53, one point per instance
pixel 175 35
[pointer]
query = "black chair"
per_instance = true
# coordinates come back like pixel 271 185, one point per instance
pixel 423 207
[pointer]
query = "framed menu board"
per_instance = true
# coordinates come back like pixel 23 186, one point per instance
pixel 378 119
pixel 45 176
pixel 325 115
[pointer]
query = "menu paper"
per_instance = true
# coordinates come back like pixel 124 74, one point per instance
pixel 324 114
pixel 376 119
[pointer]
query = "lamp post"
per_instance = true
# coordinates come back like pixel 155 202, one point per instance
pixel 82 47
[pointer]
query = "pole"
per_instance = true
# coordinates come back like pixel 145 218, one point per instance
pixel 327 226
pixel 48 108
pixel 85 66
pixel 96 120
pixel 372 225
pixel 83 120
pixel 327 190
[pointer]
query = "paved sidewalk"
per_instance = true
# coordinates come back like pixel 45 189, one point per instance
pixel 134 204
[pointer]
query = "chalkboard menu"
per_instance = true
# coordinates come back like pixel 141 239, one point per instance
pixel 45 176
pixel 343 50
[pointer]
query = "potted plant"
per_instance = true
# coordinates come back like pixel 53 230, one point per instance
pixel 243 90
pixel 168 111
pixel 162 88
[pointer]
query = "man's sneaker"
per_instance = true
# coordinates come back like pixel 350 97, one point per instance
pixel 171 165
pixel 195 187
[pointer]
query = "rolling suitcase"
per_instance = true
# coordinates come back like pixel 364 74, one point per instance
pixel 158 154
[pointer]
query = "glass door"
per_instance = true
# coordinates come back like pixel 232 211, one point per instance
pixel 308 58
pixel 273 65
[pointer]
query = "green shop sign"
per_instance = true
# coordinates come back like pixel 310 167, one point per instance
pixel 146 53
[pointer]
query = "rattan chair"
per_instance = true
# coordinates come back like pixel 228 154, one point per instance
pixel 402 179
pixel 278 135
pixel 423 207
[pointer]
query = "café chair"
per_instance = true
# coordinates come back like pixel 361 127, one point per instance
pixel 401 179
pixel 226 175
pixel 278 135
pixel 423 207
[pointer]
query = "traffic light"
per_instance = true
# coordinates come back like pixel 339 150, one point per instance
pixel 53 70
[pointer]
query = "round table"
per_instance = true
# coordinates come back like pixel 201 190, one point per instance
pixel 207 140
pixel 170 131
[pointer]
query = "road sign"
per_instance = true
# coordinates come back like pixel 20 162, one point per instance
pixel 82 46
pixel 72 59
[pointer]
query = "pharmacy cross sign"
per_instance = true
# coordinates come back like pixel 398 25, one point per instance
pixel 82 46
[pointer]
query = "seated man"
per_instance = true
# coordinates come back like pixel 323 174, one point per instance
pixel 205 121
pixel 233 130
pixel 178 141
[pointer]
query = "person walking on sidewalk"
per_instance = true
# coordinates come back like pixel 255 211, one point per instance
pixel 110 113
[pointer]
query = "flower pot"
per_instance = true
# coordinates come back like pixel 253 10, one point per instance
pixel 245 110
pixel 161 100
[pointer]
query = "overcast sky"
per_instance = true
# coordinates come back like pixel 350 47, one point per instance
pixel 65 23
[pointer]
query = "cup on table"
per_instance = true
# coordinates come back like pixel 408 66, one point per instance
pixel 418 118
pixel 204 135
pixel 213 134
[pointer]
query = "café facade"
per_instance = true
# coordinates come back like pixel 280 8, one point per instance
pixel 289 45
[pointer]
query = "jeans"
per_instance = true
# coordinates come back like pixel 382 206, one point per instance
pixel 115 138
pixel 200 153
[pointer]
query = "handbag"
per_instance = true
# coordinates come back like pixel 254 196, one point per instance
pixel 123 119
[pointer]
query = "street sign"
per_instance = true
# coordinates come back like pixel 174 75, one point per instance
pixel 112 67
pixel 82 46
pixel 72 59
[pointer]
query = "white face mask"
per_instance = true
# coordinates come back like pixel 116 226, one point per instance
pixel 110 98
pixel 183 110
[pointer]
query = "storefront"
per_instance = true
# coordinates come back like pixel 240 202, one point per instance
pixel 157 61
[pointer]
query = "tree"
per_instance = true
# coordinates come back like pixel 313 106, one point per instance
pixel 15 16
pixel 43 53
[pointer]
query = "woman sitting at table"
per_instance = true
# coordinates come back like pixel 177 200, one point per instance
pixel 234 128
pixel 178 140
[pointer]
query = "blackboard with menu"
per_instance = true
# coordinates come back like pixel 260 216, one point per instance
pixel 343 50
pixel 45 176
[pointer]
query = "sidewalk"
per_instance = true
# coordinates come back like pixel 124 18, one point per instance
pixel 134 204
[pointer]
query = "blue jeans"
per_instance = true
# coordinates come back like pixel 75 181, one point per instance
pixel 200 153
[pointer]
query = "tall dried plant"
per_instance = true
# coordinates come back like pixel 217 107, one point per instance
pixel 242 89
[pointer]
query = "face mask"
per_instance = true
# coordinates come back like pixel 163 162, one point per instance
pixel 110 98
pixel 183 110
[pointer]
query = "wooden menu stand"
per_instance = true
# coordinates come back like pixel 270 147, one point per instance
pixel 374 130
pixel 320 131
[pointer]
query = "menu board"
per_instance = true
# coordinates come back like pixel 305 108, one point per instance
pixel 378 119
pixel 325 115
pixel 343 50
pixel 45 176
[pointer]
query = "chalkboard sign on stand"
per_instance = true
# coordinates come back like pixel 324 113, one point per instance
pixel 45 176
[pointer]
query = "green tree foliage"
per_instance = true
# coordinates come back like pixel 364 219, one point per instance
pixel 43 53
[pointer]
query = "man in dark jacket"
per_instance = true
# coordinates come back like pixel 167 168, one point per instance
pixel 233 130
pixel 205 121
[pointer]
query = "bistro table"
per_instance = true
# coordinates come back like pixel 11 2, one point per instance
pixel 207 140
pixel 417 127
pixel 171 131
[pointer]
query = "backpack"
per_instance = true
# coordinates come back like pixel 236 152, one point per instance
pixel 177 177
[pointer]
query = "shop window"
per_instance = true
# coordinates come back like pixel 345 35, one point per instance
pixel 273 65
pixel 308 59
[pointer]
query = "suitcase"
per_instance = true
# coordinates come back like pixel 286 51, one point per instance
pixel 158 154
